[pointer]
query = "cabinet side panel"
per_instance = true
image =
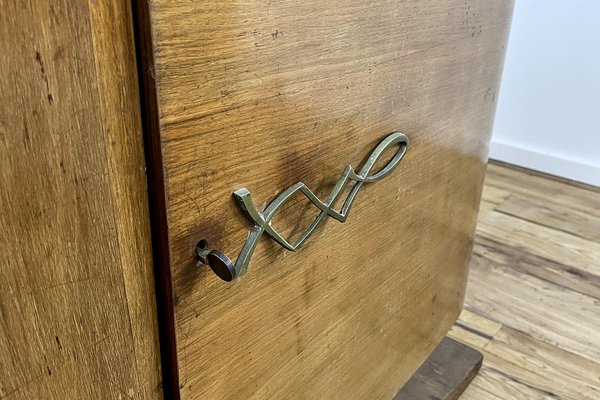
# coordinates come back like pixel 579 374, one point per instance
pixel 77 302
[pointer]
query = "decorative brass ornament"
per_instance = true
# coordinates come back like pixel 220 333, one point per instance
pixel 227 270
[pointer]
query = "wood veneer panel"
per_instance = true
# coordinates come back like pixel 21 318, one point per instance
pixel 77 301
pixel 266 94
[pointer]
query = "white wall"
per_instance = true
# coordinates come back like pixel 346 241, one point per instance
pixel 548 115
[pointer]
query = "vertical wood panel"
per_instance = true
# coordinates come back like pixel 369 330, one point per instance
pixel 266 94
pixel 77 307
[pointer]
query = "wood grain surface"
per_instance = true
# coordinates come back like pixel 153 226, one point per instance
pixel 77 301
pixel 533 299
pixel 267 94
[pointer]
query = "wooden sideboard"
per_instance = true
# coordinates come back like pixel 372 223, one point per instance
pixel 125 129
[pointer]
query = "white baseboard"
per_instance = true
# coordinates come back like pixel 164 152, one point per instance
pixel 550 164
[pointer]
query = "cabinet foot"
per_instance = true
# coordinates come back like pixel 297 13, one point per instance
pixel 445 374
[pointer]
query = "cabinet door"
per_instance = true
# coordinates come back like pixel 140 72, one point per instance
pixel 262 95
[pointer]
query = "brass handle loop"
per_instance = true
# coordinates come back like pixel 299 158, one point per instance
pixel 222 265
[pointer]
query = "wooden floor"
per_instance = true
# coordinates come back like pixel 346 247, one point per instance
pixel 533 299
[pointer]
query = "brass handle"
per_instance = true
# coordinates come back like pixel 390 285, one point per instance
pixel 227 270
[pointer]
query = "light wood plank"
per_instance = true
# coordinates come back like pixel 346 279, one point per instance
pixel 550 214
pixel 491 197
pixel 543 188
pixel 492 384
pixel 543 366
pixel 542 241
pixel 538 308
pixel 533 270
pixel 527 363
pixel 567 276
pixel 474 330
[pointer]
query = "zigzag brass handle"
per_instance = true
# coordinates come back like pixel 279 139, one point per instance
pixel 227 270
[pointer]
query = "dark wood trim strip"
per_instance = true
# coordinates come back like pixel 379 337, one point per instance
pixel 157 196
pixel 445 374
